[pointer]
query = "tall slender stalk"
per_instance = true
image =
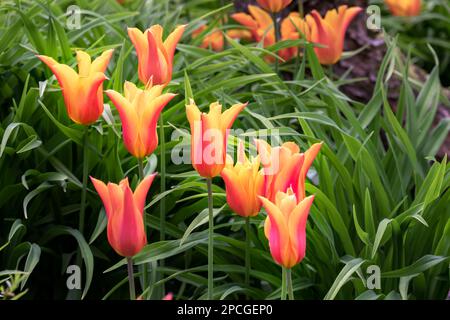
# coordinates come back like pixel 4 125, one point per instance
pixel 247 251
pixel 162 206
pixel 283 283
pixel 85 179
pixel 301 11
pixel 277 35
pixel 210 239
pixel 131 278
pixel 145 266
pixel 289 284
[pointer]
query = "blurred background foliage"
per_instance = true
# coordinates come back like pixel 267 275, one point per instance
pixel 382 182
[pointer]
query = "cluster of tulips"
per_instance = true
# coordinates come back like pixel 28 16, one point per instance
pixel 262 24
pixel 279 186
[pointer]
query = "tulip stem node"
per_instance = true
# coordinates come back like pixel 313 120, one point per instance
pixel 210 239
pixel 131 278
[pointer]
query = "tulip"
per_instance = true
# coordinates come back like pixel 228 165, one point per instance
pixel 259 23
pixel 209 136
pixel 285 167
pixel 404 8
pixel 244 183
pixel 214 39
pixel 125 211
pixel 330 32
pixel 287 229
pixel 293 27
pixel 155 57
pixel 82 91
pixel 273 6
pixel 139 111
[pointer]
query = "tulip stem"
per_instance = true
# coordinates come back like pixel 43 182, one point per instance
pixel 277 36
pixel 162 212
pixel 289 284
pixel 85 178
pixel 301 11
pixel 145 266
pixel 210 239
pixel 131 278
pixel 247 251
pixel 283 283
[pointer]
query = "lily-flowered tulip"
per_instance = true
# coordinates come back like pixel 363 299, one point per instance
pixel 285 167
pixel 82 91
pixel 259 23
pixel 274 6
pixel 293 27
pixel 286 231
pixel 209 132
pixel 139 111
pixel 125 214
pixel 404 8
pixel 214 39
pixel 155 56
pixel 244 183
pixel 330 32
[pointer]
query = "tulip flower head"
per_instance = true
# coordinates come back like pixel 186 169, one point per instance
pixel 213 40
pixel 259 23
pixel 125 213
pixel 274 6
pixel 209 132
pixel 155 56
pixel 139 111
pixel 404 8
pixel 285 227
pixel 82 91
pixel 293 27
pixel 244 183
pixel 285 167
pixel 330 32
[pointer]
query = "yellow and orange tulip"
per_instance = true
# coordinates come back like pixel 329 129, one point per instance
pixel 209 136
pixel 214 39
pixel 286 227
pixel 139 111
pixel 82 91
pixel 259 23
pixel 125 214
pixel 285 167
pixel 155 56
pixel 244 183
pixel 274 6
pixel 330 32
pixel 293 27
pixel 404 8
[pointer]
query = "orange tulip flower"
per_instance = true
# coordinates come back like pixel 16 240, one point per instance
pixel 82 91
pixel 155 57
pixel 209 136
pixel 274 6
pixel 293 27
pixel 125 213
pixel 330 32
pixel 404 8
pixel 214 39
pixel 286 231
pixel 139 111
pixel 285 167
pixel 259 23
pixel 244 183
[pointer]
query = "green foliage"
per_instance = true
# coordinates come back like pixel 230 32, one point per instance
pixel 381 196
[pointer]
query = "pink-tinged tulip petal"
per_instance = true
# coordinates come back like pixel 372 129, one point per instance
pixel 310 155
pixel 209 136
pixel 82 91
pixel 126 232
pixel 155 57
pixel 139 111
pixel 259 23
pixel 285 227
pixel 274 5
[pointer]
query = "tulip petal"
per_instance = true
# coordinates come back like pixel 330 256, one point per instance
pixel 84 63
pixel 103 192
pixel 228 117
pixel 297 228
pixel 140 194
pixel 101 63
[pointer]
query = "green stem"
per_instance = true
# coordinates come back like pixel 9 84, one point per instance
pixel 247 251
pixel 162 212
pixel 300 8
pixel 85 178
pixel 131 278
pixel 277 35
pixel 283 283
pixel 145 266
pixel 210 239
pixel 289 284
